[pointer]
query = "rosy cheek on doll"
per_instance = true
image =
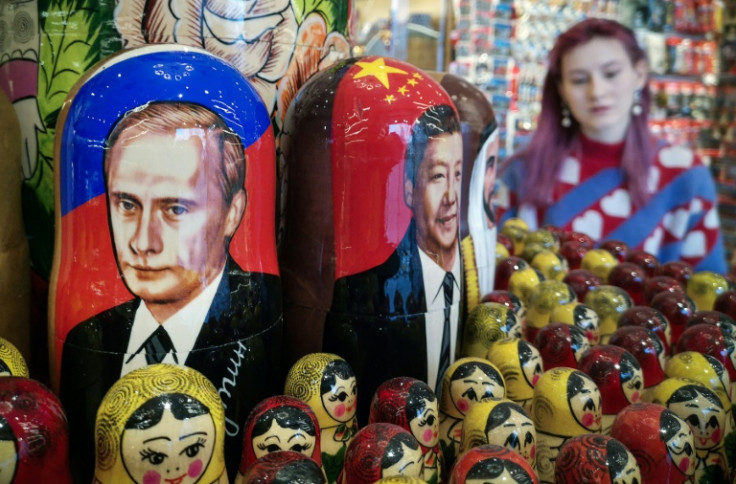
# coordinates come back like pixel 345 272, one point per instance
pixel 716 436
pixel 340 410
pixel 588 420
pixel 195 468
pixel 535 379
pixel 151 477
pixel 463 405
pixel 428 435
pixel 685 464
pixel 533 452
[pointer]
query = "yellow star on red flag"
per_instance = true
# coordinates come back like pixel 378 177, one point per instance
pixel 377 69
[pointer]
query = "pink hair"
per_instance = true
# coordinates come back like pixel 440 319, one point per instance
pixel 551 142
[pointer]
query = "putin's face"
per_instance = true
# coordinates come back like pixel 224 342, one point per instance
pixel 435 196
pixel 169 217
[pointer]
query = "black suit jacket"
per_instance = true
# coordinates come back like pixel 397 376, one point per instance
pixel 237 349
pixel 376 321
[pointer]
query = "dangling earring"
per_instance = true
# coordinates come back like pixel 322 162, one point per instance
pixel 636 108
pixel 566 122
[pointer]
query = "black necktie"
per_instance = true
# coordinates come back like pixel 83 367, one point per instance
pixel 447 285
pixel 158 346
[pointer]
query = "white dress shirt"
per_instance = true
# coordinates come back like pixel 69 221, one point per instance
pixel 183 328
pixel 433 276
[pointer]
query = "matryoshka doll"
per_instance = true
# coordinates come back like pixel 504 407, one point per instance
pixel 677 307
pixel 704 287
pixel 646 347
pixel 280 423
pixel 509 300
pixel 521 366
pixel 609 302
pixel 381 450
pixel 487 323
pixel 285 467
pixel 580 315
pixel 701 408
pixel 467 382
pixel 517 230
pixel 545 297
pixel 401 480
pixel 566 403
pixel 582 282
pixel 599 261
pixel 561 345
pixel 618 376
pixel 12 362
pixel 328 385
pixel 596 459
pixel 161 422
pixel 493 464
pixel 710 340
pixel 501 422
pixel 368 272
pixel 661 441
pixel 412 405
pixel 34 437
pixel 648 318
pixel 551 264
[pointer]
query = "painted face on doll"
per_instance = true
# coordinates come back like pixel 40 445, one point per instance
pixel 585 401
pixel 702 410
pixel 632 380
pixel 512 327
pixel 598 85
pixel 409 461
pixel 340 401
pixel 497 470
pixel 531 363
pixel 679 439
pixel 426 425
pixel 516 433
pixel 587 320
pixel 474 387
pixel 278 438
pixel 630 474
pixel 8 453
pixel 172 451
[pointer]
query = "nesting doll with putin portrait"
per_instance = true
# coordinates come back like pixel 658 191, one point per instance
pixel 370 250
pixel 165 236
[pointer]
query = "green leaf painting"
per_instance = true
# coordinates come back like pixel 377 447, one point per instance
pixel 335 12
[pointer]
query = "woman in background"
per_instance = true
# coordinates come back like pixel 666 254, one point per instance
pixel 592 165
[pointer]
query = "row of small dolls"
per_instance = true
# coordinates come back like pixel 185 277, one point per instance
pixel 321 395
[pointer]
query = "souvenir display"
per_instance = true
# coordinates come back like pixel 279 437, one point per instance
pixel 166 262
pixel 480 158
pixel 561 345
pixel 566 403
pixel 661 442
pixel 161 422
pixel 678 308
pixel 609 302
pixel 369 273
pixel 618 376
pixel 412 405
pixel 12 362
pixel 328 385
pixel 15 284
pixel 582 282
pixel 521 366
pixel 381 450
pixel 487 323
pixel 596 458
pixel 280 423
pixel 494 464
pixel 467 382
pixel 34 436
pixel 630 277
pixel 648 318
pixel 704 288
pixel 580 315
pixel 283 467
pixel 544 298
pixel 647 348
pixel 501 422
pixel 703 411
pixel 276 45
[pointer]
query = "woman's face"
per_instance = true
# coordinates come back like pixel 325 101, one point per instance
pixel 705 419
pixel 279 438
pixel 532 369
pixel 587 320
pixel 632 388
pixel 587 405
pixel 680 450
pixel 8 461
pixel 426 426
pixel 341 402
pixel 409 465
pixel 171 452
pixel 598 84
pixel 517 434
pixel 630 474
pixel 474 388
